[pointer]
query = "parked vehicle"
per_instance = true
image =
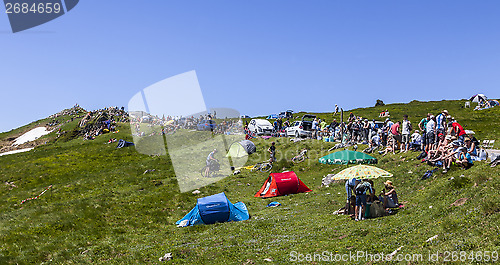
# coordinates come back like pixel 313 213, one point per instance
pixel 260 127
pixel 286 114
pixel 301 128
pixel 206 125
pixel 272 116
pixel 245 117
pixel 378 125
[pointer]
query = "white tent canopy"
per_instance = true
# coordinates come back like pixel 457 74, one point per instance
pixel 478 98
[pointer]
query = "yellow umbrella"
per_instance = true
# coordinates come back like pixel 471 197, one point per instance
pixel 169 122
pixel 362 172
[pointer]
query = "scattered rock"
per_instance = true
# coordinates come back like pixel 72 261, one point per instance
pixel 328 179
pixel 430 207
pixel 196 192
pixel 431 238
pixel 11 185
pixel 166 257
pixel 389 257
pixel 459 202
pixel 157 182
pixel 149 170
pixel 268 259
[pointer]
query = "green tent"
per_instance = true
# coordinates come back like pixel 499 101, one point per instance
pixel 347 157
pixel 241 149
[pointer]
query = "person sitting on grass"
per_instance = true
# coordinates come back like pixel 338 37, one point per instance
pixel 471 148
pixel 441 146
pixel 416 141
pixel 361 189
pixel 390 146
pixel 465 159
pixel 449 156
pixel 374 142
pixel 389 196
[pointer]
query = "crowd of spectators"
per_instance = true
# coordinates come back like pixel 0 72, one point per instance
pixel 167 125
pixel 101 121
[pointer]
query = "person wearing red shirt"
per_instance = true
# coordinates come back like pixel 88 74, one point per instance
pixel 458 130
pixel 395 133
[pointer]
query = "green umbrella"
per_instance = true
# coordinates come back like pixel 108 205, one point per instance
pixel 348 157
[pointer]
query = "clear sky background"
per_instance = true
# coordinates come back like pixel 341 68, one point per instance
pixel 259 57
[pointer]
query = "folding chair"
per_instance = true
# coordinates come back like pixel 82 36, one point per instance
pixel 491 144
pixel 485 143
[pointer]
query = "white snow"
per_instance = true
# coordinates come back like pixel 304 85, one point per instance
pixel 31 135
pixel 16 151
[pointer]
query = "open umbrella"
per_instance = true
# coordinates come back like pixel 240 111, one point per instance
pixel 347 157
pixel 362 172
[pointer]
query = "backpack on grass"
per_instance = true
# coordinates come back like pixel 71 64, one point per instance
pixel 377 209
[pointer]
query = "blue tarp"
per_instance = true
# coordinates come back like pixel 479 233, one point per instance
pixel 216 208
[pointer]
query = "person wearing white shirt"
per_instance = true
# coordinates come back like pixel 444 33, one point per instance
pixel 430 133
pixel 405 132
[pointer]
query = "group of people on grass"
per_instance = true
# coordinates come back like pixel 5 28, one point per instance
pixel 361 193
pixel 446 142
pixel 149 125
pixel 102 121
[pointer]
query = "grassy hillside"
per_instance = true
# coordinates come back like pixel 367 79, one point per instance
pixel 102 208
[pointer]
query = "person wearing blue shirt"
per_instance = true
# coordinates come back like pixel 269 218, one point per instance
pixel 349 187
pixel 465 159
pixel 350 184
pixel 441 123
pixel 361 189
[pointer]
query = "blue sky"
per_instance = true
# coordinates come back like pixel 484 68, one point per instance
pixel 259 57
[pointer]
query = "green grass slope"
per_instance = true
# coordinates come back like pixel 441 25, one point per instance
pixel 103 209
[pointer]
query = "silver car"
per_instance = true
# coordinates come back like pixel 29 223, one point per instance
pixel 260 127
pixel 301 128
